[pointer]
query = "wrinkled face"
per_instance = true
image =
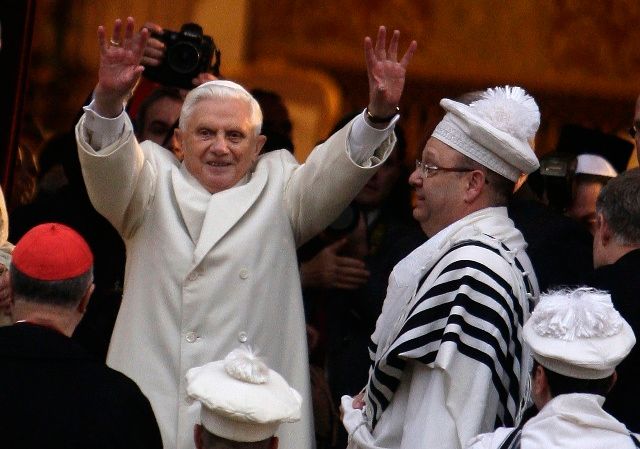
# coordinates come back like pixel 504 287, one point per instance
pixel 438 198
pixel 378 188
pixel 636 122
pixel 219 144
pixel 158 124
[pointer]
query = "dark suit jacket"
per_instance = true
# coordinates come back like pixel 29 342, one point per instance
pixel 560 248
pixel 622 280
pixel 54 395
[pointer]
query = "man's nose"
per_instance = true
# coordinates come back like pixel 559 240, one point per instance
pixel 415 178
pixel 219 144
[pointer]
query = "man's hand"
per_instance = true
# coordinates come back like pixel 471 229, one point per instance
pixel 358 401
pixel 120 66
pixel 386 74
pixel 155 49
pixel 329 270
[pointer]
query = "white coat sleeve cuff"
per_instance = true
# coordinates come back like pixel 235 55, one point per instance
pixel 364 140
pixel 100 132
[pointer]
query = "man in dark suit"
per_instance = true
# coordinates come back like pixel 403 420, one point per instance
pixel 54 394
pixel 616 256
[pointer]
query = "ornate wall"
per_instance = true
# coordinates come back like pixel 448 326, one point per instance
pixel 580 59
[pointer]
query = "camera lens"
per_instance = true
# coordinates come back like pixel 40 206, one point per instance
pixel 183 57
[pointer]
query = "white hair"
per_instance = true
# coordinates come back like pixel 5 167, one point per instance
pixel 218 90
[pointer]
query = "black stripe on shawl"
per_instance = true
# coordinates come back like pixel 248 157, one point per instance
pixel 474 308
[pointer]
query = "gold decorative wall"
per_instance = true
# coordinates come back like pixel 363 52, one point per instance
pixel 580 59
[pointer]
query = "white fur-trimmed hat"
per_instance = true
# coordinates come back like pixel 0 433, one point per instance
pixel 578 333
pixel 494 130
pixel 241 398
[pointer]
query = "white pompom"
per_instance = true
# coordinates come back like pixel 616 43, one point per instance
pixel 583 313
pixel 243 364
pixel 510 109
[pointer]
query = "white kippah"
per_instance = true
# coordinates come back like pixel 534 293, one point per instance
pixel 241 398
pixel 592 164
pixel 494 131
pixel 578 333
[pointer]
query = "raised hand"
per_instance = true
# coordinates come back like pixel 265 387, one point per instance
pixel 386 74
pixel 120 67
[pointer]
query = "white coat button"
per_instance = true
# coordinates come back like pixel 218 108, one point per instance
pixel 244 273
pixel 193 276
pixel 191 337
pixel 242 337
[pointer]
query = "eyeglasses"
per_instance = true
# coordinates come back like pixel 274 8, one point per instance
pixel 634 129
pixel 429 170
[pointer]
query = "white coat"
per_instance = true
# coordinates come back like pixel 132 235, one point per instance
pixel 207 272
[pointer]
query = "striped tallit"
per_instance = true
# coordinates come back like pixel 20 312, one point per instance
pixel 473 298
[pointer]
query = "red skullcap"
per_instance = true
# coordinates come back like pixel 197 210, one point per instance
pixel 52 252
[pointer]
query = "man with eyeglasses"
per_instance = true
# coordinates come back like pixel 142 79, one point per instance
pixel 447 353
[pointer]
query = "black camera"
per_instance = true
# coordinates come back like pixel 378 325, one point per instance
pixel 188 53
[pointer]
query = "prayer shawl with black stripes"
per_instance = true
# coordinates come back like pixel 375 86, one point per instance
pixel 455 308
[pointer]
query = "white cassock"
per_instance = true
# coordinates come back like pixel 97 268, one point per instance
pixel 207 272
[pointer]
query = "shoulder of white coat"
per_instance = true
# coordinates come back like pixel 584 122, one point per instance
pixel 276 163
pixel 157 154
pixel 277 157
pixel 489 440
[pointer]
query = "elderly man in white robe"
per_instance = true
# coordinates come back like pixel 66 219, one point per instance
pixel 211 242
pixel 448 359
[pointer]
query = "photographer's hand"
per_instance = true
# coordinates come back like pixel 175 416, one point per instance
pixel 120 67
pixel 155 50
pixel 386 74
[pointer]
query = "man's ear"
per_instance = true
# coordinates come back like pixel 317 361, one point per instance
pixel 538 379
pixel 179 135
pixel 475 184
pixel 84 301
pixel 260 141
pixel 603 231
pixel 540 387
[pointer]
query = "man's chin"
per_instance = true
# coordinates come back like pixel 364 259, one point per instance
pixel 216 184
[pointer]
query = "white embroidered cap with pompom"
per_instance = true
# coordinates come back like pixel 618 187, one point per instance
pixel 567 316
pixel 245 365
pixel 511 110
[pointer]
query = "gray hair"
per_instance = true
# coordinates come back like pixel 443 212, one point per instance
pixel 500 187
pixel 619 203
pixel 65 293
pixel 219 90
